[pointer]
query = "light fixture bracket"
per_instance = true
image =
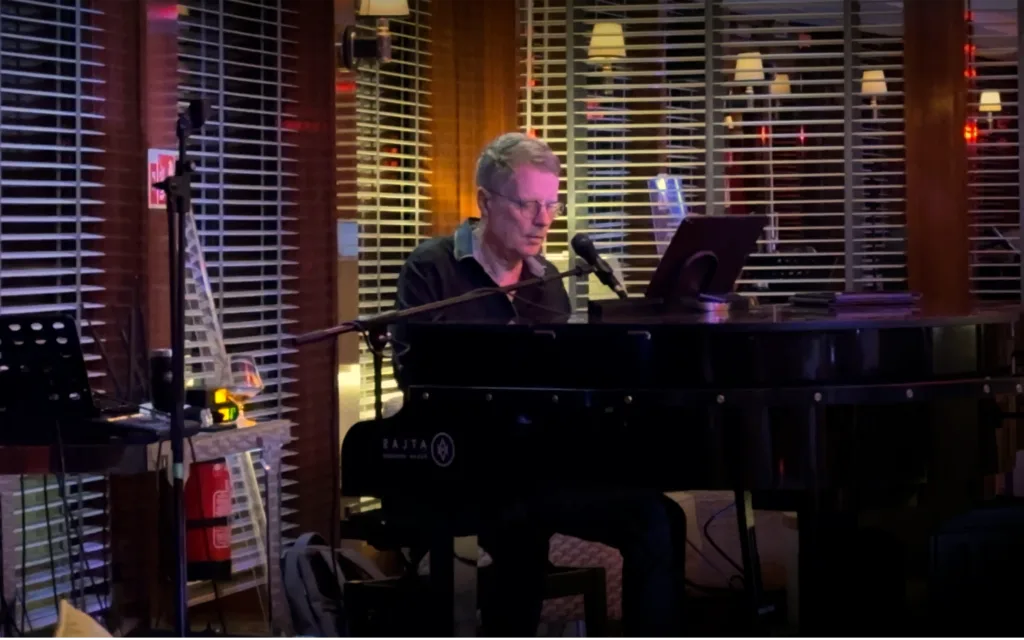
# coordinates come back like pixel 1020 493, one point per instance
pixel 352 47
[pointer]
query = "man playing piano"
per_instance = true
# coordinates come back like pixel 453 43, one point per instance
pixel 517 193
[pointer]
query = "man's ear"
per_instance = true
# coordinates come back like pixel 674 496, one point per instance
pixel 481 202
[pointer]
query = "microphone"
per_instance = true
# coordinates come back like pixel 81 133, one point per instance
pixel 585 249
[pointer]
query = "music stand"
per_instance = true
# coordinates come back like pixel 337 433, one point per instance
pixel 44 384
pixel 705 257
pixel 697 273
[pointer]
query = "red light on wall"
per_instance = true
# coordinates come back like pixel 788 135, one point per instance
pixel 345 86
pixel 803 138
pixel 971 132
pixel 764 134
pixel 301 126
pixel 163 12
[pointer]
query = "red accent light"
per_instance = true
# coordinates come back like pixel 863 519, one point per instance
pixel 764 134
pixel 971 132
pixel 345 86
pixel 803 138
pixel 166 12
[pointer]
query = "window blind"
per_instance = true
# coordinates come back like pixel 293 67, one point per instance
pixel 752 107
pixel 993 149
pixel 237 56
pixel 50 177
pixel 392 151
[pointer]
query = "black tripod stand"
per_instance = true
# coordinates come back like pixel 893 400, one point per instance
pixel 178 189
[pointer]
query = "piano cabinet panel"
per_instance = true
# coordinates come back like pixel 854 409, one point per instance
pixel 669 356
pixel 536 442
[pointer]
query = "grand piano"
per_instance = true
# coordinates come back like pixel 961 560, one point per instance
pixel 833 411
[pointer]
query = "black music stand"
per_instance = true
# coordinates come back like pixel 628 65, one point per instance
pixel 705 256
pixel 44 384
pixel 697 273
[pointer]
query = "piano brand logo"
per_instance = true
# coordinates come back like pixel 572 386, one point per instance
pixel 405 449
pixel 442 449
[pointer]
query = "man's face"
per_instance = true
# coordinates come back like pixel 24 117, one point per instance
pixel 520 216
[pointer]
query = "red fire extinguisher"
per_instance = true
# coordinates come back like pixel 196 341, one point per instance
pixel 208 520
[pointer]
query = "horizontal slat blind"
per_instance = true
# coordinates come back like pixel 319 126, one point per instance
pixel 795 139
pixel 50 176
pixel 238 56
pixel 393 147
pixel 993 149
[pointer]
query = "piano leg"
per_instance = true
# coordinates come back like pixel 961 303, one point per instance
pixel 442 583
pixel 752 587
pixel 824 527
pixel 465 605
pixel 751 425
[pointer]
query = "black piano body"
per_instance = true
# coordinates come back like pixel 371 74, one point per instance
pixel 825 412
pixel 485 400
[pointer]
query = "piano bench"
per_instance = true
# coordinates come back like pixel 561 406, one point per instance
pixel 404 598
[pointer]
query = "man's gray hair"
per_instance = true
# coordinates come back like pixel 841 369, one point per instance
pixel 497 164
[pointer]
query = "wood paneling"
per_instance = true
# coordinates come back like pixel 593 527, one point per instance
pixel 139 72
pixel 317 432
pixel 934 111
pixel 474 89
pixel 158 87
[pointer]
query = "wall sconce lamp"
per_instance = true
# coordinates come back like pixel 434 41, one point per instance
pixel 780 85
pixel 607 45
pixel 352 48
pixel 749 69
pixel 872 83
pixel 990 103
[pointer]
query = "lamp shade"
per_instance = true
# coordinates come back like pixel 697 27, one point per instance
pixel 607 43
pixel 872 82
pixel 382 8
pixel 749 67
pixel 990 102
pixel 780 85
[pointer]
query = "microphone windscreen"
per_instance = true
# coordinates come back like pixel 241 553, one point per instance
pixel 584 247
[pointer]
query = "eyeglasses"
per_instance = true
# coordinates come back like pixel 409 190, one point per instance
pixel 533 207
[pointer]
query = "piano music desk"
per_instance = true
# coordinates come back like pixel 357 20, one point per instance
pixel 118 458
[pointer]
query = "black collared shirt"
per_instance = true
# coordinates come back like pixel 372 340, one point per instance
pixel 444 267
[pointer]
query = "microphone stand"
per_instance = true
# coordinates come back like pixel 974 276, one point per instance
pixel 377 335
pixel 178 190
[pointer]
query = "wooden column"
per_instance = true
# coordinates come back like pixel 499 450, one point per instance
pixel 316 225
pixel 139 58
pixel 159 112
pixel 934 111
pixel 474 92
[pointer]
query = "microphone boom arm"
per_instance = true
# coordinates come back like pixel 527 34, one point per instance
pixel 377 339
pixel 389 317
